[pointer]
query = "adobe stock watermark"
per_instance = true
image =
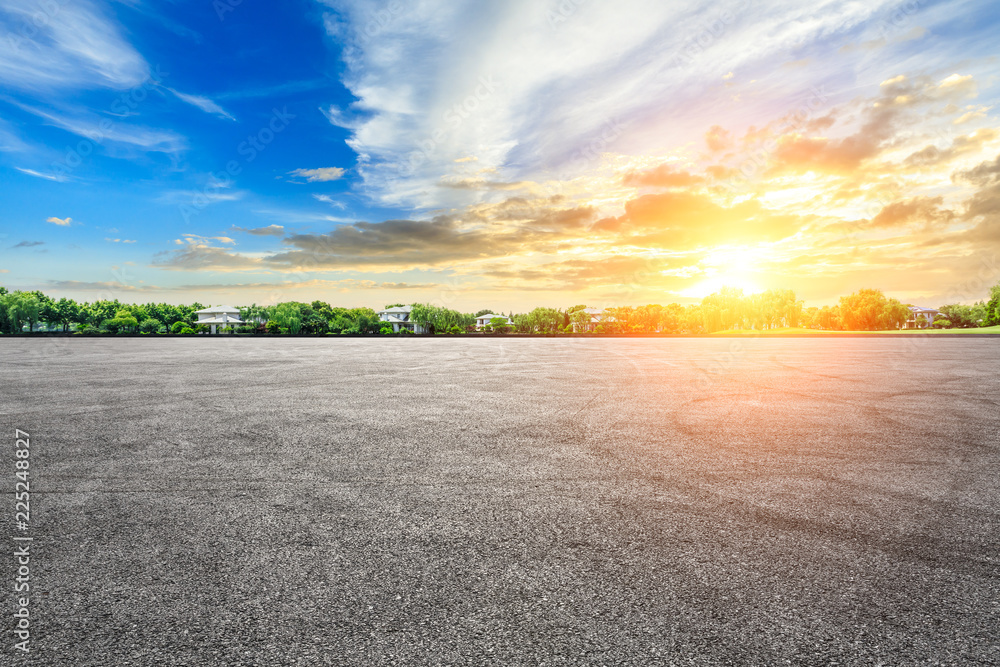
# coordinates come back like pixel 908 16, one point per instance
pixel 380 22
pixel 563 11
pixel 223 7
pixel 900 18
pixel 47 10
pixel 453 118
pixel 248 150
pixel 22 540
pixel 724 363
pixel 707 34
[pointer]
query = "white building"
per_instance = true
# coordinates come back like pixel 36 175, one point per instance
pixel 484 321
pixel 591 318
pixel 226 316
pixel 399 318
pixel 921 318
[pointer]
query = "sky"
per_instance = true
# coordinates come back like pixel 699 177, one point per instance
pixel 502 154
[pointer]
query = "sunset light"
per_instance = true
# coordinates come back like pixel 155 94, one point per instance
pixel 500 332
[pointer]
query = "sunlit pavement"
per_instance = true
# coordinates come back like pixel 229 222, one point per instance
pixel 509 501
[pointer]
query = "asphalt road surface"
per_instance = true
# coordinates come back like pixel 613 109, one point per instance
pixel 501 501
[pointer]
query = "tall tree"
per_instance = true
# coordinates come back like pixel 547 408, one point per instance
pixel 992 316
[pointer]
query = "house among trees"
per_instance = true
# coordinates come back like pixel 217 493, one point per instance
pixel 484 321
pixel 921 318
pixel 587 319
pixel 225 316
pixel 400 318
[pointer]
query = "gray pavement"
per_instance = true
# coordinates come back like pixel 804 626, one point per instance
pixel 507 501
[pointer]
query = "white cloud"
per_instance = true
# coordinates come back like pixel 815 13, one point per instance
pixel 530 86
pixel 203 103
pixel 65 45
pixel 208 195
pixel 62 222
pixel 327 199
pixel 198 239
pixel 102 130
pixel 270 230
pixel 38 174
pixel 322 175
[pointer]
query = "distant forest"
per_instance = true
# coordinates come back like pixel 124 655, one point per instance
pixel 727 310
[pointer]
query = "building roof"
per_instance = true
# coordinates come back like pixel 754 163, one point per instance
pixel 398 309
pixel 218 309
pixel 490 316
pixel 918 309
pixel 598 315
pixel 219 320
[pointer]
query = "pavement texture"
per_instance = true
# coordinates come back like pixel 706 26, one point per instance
pixel 495 501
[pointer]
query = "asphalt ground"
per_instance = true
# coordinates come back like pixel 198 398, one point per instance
pixel 499 501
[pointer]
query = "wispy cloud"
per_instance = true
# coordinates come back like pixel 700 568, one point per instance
pixel 208 195
pixel 425 98
pixel 322 175
pixel 65 45
pixel 93 286
pixel 37 174
pixel 100 131
pixel 28 244
pixel 62 222
pixel 196 239
pixel 327 199
pixel 270 230
pixel 203 103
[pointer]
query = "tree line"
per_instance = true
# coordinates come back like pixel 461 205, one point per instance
pixel 726 310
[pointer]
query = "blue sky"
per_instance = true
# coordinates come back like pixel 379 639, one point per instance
pixel 503 153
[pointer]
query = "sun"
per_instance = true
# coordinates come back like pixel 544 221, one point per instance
pixel 729 266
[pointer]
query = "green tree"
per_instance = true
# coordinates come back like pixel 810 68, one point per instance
pixel 499 325
pixel 67 312
pixel 829 318
pixel 48 312
pixel 579 319
pixel 870 310
pixel 959 315
pixel 288 316
pixel 671 318
pixel 20 309
pixel 122 322
pixel 365 320
pixel 544 320
pixel 150 325
pixel 992 315
pixel 437 319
